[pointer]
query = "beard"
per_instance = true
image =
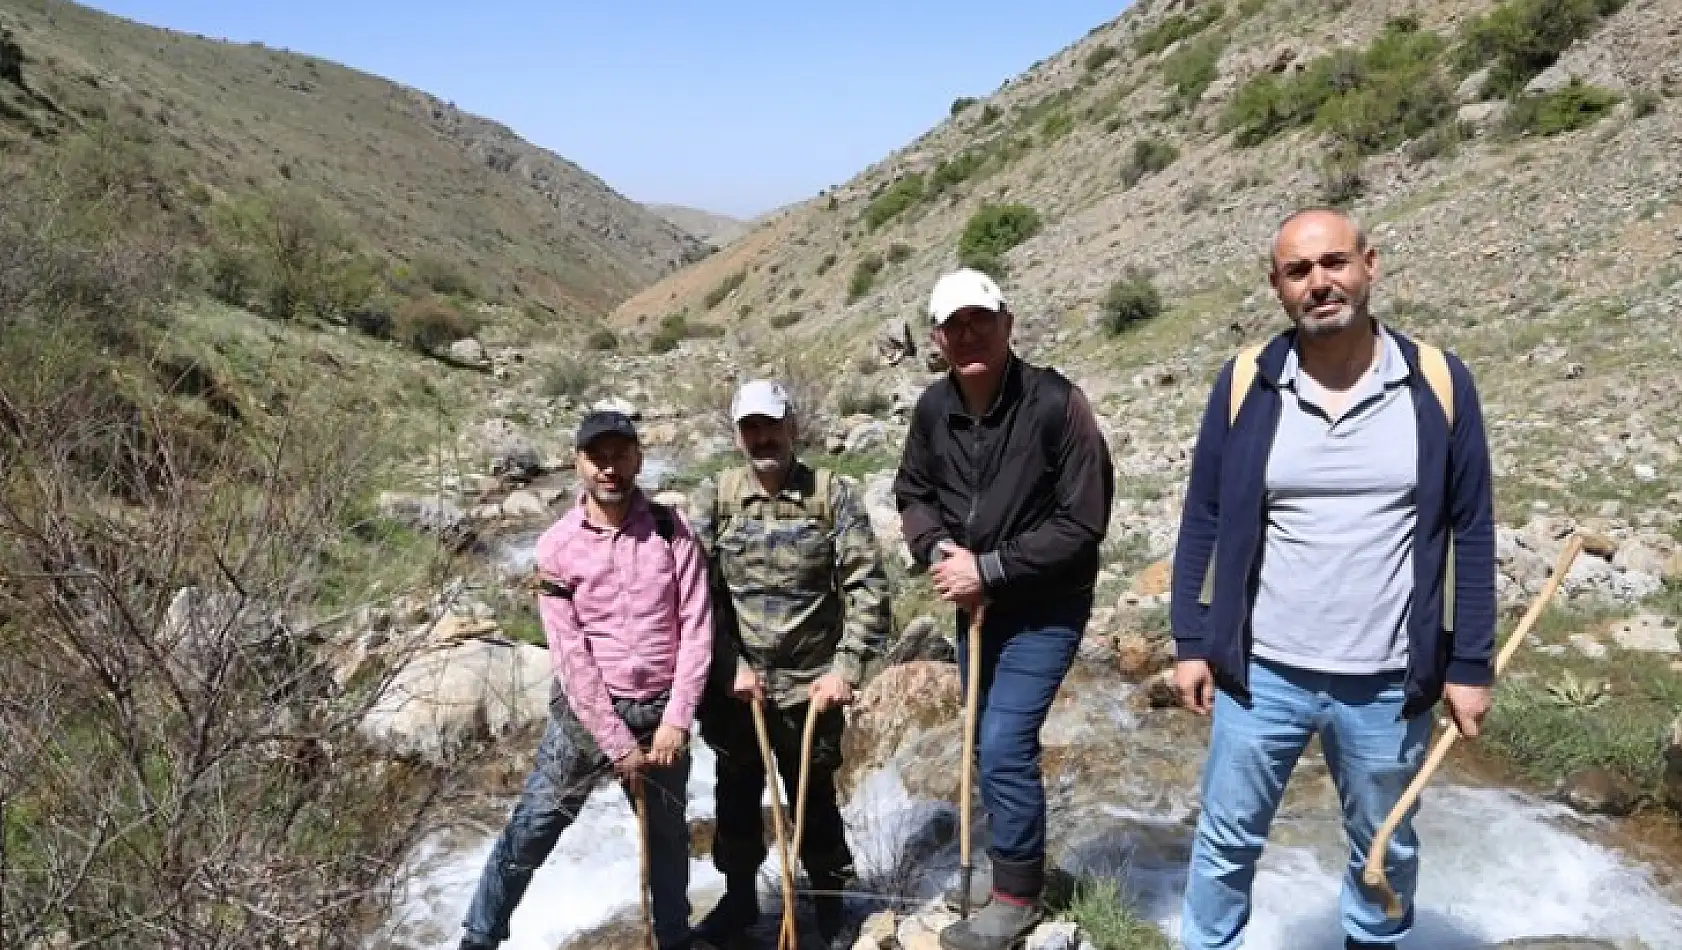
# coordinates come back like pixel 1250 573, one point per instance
pixel 1346 316
pixel 610 495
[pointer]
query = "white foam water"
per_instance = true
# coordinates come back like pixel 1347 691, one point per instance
pixel 1496 866
pixel 593 873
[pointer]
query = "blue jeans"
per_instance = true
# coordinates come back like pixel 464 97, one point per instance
pixel 568 765
pixel 1025 653
pixel 1372 754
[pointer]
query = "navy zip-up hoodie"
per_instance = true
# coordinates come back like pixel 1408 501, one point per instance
pixel 1224 517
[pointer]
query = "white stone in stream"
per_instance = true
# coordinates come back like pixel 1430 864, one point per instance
pixel 1058 935
pixel 442 700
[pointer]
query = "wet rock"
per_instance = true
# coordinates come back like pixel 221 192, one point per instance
pixel 904 701
pixel 1597 792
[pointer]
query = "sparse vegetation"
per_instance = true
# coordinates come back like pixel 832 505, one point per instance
pixel 1520 38
pixel 1108 922
pixel 286 255
pixel 992 231
pixel 1644 102
pixel 1177 27
pixel 899 253
pixel 951 173
pixel 869 403
pixel 1099 57
pixel 893 200
pixel 864 276
pixel 1130 301
pixel 1149 156
pixel 431 322
pixel 1374 99
pixel 783 321
pixel 568 377
pixel 1341 179
pixel 725 288
pixel 1190 71
pixel 1056 125
pixel 961 103
pixel 825 264
pixel 989 114
pixel 1563 110
pixel 602 339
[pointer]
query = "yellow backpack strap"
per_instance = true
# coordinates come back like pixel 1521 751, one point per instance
pixel 1433 365
pixel 1243 377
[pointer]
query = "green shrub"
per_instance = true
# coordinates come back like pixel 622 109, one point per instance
pixel 864 276
pixel 1130 301
pixel 289 255
pixel 894 199
pixel 441 275
pixel 602 339
pixel 725 288
pixel 871 403
pixel 427 323
pixel 1055 126
pixel 1563 110
pixel 953 172
pixel 1341 179
pixel 1108 922
pixel 899 253
pixel 992 231
pixel 782 321
pixel 1374 99
pixel 990 264
pixel 1520 38
pixel 1149 157
pixel 795 293
pixel 961 103
pixel 1099 57
pixel 1175 28
pixel 825 264
pixel 1440 142
pixel 990 114
pixel 569 377
pixel 1190 71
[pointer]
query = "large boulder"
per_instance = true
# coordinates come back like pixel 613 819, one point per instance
pixel 884 516
pixel 441 701
pixel 429 514
pixel 903 702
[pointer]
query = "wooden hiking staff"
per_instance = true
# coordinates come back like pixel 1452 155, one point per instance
pixel 789 937
pixel 641 795
pixel 776 806
pixel 972 693
pixel 1373 875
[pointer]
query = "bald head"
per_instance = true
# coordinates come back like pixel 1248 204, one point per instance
pixel 1323 271
pixel 1328 218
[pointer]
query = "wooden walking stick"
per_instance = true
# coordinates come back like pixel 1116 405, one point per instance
pixel 789 938
pixel 1374 874
pixel 776 803
pixel 972 693
pixel 641 795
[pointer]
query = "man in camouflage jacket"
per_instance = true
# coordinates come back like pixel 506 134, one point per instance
pixel 801 611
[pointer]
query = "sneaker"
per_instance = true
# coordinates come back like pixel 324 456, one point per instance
pixel 1001 925
pixel 474 943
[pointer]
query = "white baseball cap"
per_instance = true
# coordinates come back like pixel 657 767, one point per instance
pixel 962 288
pixel 759 397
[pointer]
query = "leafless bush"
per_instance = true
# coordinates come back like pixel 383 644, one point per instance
pixel 179 771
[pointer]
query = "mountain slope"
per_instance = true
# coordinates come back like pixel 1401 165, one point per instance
pixel 408 173
pixel 716 229
pixel 1538 234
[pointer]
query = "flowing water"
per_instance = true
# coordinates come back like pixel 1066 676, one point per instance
pixel 1497 864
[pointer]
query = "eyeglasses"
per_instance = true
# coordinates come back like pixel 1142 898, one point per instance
pixel 976 323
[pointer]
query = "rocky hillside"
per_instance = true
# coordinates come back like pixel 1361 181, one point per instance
pixel 1526 214
pixel 715 229
pixel 410 173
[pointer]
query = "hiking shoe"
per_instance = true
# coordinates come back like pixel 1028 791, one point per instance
pixel 980 890
pixel 474 943
pixel 735 912
pixel 1350 943
pixel 1001 925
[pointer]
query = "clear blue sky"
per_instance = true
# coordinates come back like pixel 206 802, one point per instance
pixel 735 107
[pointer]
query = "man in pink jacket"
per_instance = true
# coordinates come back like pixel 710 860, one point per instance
pixel 626 610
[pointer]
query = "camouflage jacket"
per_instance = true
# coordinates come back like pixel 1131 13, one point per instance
pixel 798 584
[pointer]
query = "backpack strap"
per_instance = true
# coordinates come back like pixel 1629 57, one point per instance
pixel 665 523
pixel 820 504
pixel 1243 377
pixel 1433 365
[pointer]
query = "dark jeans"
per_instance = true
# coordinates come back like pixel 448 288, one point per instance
pixel 739 838
pixel 569 763
pixel 1025 653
